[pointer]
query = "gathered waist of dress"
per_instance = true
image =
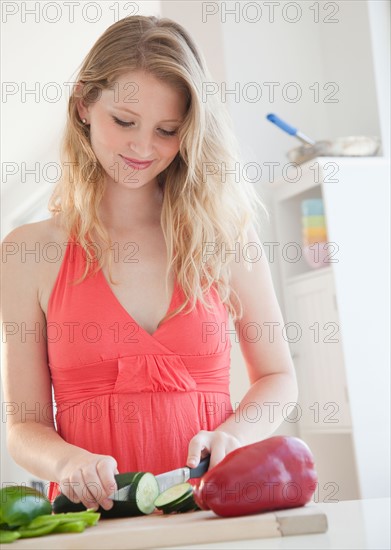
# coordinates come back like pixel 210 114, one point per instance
pixel 142 373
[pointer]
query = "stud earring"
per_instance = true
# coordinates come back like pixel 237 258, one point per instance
pixel 84 120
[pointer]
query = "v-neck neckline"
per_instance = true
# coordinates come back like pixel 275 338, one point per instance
pixel 151 335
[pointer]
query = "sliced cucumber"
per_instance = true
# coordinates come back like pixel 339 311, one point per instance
pixel 146 492
pixel 187 505
pixel 173 494
pixel 178 498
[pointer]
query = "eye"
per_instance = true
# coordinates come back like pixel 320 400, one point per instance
pixel 122 123
pixel 167 133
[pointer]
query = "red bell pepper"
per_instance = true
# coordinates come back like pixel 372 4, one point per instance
pixel 272 474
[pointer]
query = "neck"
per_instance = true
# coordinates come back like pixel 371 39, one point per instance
pixel 123 210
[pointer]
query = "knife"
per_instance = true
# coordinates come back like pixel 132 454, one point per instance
pixel 168 479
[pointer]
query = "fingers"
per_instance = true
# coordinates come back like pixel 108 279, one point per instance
pixel 69 486
pixel 91 491
pixel 218 453
pixel 92 484
pixel 108 484
pixel 218 444
pixel 198 443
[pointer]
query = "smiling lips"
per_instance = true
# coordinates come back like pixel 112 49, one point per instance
pixel 136 164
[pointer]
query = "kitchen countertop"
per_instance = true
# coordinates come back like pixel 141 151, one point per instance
pixel 352 524
pixel 355 524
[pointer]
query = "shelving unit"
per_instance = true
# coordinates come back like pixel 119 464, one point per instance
pixel 324 309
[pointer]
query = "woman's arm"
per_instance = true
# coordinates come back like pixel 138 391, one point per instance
pixel 269 364
pixel 32 440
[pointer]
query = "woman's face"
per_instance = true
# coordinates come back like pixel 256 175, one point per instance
pixel 135 120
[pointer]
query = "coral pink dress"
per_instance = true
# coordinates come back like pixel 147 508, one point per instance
pixel 123 392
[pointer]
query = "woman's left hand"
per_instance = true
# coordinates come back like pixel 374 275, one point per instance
pixel 217 444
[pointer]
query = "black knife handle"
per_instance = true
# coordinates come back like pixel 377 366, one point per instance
pixel 201 469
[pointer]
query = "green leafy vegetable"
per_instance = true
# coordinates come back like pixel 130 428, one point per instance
pixel 20 504
pixel 26 513
pixel 8 536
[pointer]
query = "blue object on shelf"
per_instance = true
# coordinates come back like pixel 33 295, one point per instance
pixel 281 124
pixel 291 130
pixel 312 207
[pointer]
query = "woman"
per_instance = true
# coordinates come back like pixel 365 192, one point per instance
pixel 131 317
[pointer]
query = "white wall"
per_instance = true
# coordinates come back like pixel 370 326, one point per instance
pixel 43 55
pixel 379 18
pixel 207 35
pixel 347 58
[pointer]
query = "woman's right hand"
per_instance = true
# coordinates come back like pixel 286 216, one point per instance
pixel 90 480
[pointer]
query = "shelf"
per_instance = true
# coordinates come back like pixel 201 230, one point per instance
pixel 322 271
pixel 288 211
pixel 311 174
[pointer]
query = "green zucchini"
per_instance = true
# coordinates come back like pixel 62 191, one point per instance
pixel 142 492
pixel 20 504
pixel 178 498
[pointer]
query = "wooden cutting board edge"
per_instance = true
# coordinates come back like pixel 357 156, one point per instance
pixel 291 524
pixel 185 529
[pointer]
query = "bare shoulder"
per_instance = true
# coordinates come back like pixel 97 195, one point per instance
pixel 29 256
pixel 42 232
pixel 30 243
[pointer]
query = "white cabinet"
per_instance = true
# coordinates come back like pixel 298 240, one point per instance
pixel 317 352
pixel 343 385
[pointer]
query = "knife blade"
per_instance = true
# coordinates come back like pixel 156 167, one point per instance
pixel 168 479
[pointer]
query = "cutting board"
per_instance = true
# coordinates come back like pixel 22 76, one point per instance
pixel 158 530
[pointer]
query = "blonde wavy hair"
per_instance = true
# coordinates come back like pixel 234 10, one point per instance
pixel 199 211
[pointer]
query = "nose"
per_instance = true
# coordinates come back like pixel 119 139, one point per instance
pixel 142 144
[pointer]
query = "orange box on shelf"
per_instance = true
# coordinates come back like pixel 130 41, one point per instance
pixel 317 233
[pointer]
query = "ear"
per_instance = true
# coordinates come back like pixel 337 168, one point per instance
pixel 82 108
